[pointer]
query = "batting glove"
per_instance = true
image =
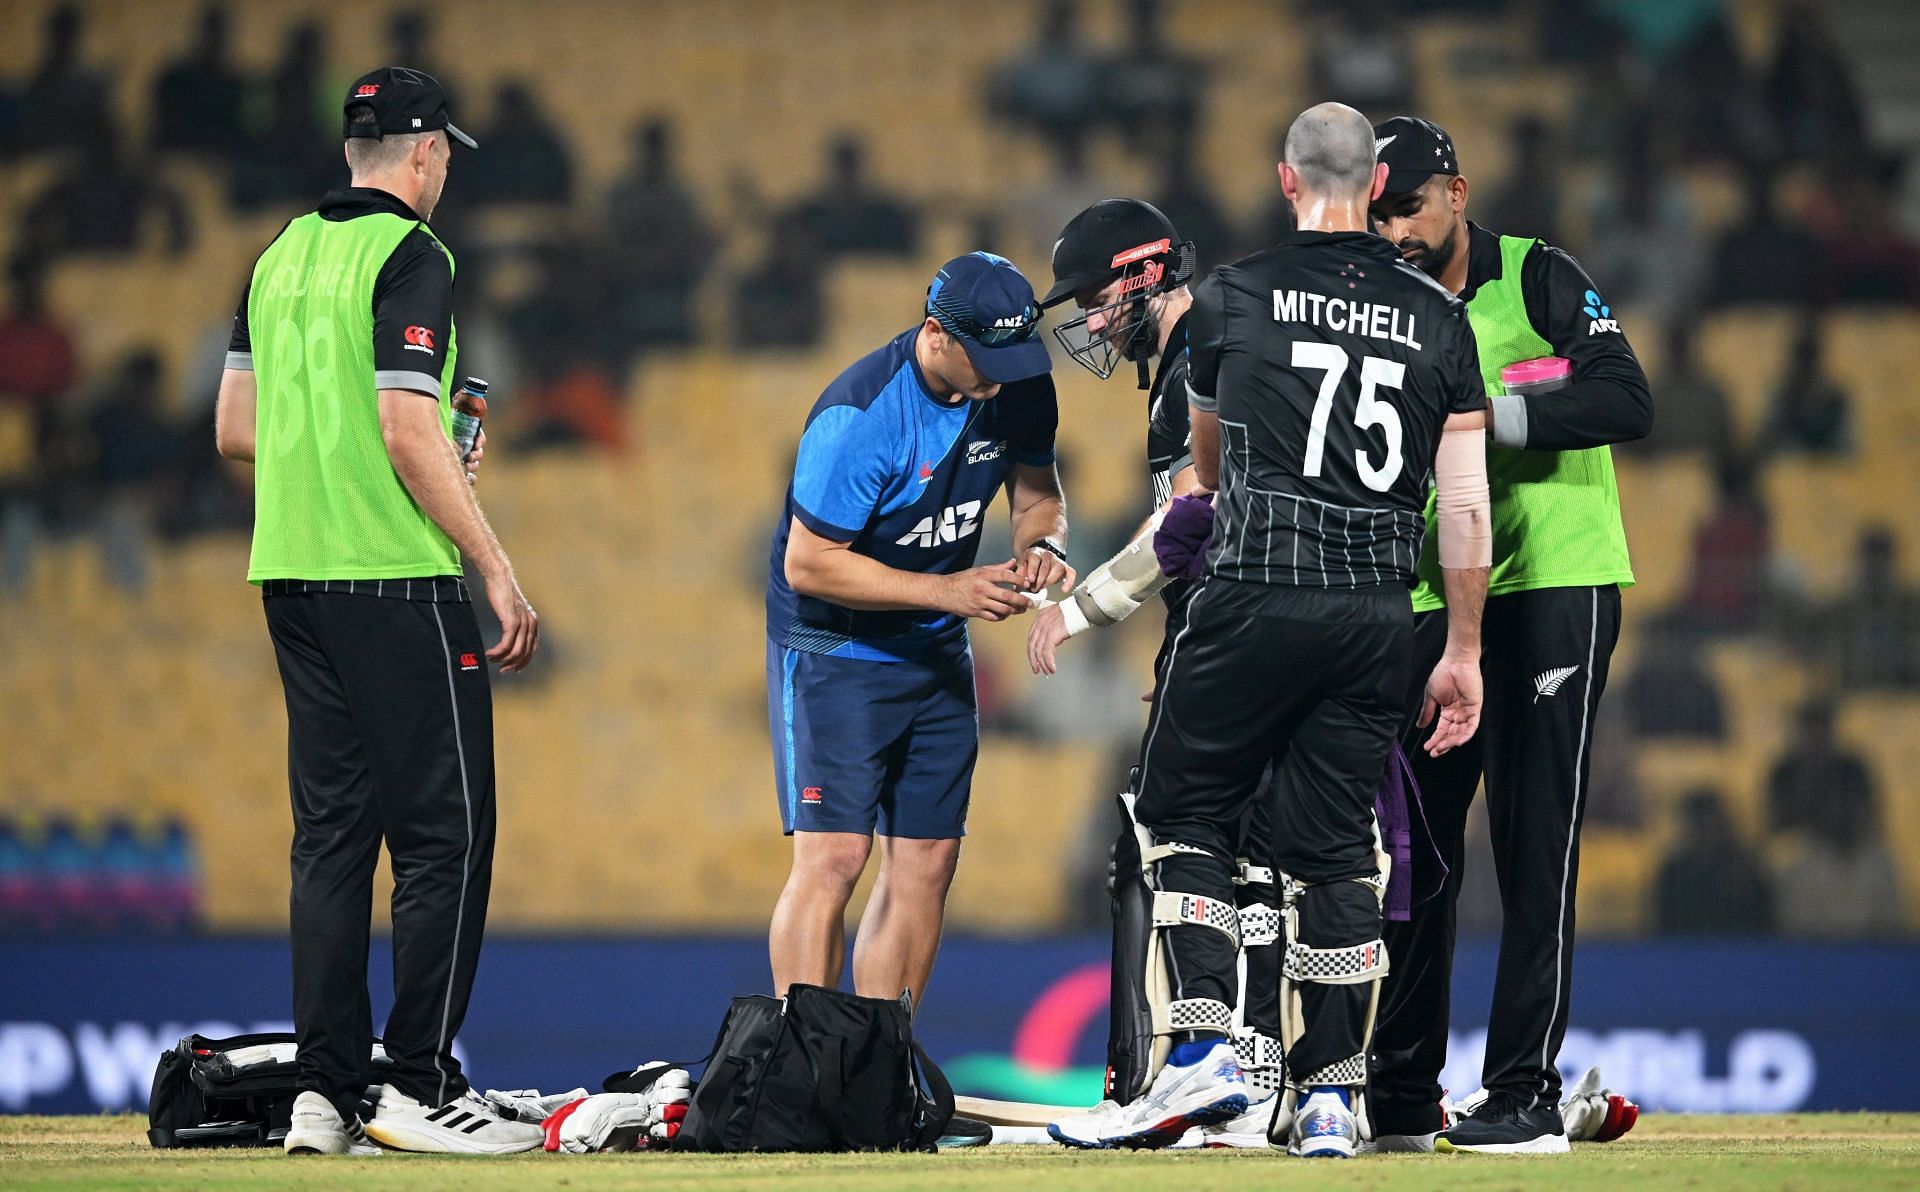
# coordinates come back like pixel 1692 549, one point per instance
pixel 527 1105
pixel 1592 1113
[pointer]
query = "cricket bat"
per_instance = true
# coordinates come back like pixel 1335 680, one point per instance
pixel 1011 1113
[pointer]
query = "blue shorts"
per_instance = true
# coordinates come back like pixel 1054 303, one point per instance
pixel 860 745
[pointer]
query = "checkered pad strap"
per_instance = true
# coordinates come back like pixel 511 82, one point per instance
pixel 1259 926
pixel 1258 1051
pixel 1253 875
pixel 1336 966
pixel 1160 852
pixel 1350 1071
pixel 1193 1014
pixel 1172 908
pixel 1291 888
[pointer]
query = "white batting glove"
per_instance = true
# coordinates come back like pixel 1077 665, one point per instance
pixel 1592 1113
pixel 605 1122
pixel 527 1105
pixel 668 1096
pixel 627 1121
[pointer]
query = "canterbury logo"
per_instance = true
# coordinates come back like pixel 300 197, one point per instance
pixel 418 339
pixel 1549 682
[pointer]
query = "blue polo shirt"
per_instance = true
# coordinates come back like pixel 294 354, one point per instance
pixel 906 478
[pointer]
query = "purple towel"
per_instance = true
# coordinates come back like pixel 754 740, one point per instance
pixel 1397 806
pixel 1180 544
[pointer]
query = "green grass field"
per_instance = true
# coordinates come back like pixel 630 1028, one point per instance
pixel 1862 1151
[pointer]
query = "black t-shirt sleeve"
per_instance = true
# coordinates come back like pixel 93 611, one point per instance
pixel 240 343
pixel 1169 426
pixel 1466 390
pixel 413 316
pixel 1609 400
pixel 1206 333
pixel 1033 435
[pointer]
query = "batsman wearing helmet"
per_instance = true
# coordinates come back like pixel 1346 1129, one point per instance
pixel 1123 264
pixel 1298 646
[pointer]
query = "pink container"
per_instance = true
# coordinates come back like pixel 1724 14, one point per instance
pixel 1537 376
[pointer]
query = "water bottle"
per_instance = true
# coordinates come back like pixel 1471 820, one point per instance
pixel 469 409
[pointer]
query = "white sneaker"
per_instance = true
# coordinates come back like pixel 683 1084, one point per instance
pixel 1201 1093
pixel 468 1124
pixel 1248 1132
pixel 316 1129
pixel 1398 1144
pixel 1323 1128
pixel 1083 1129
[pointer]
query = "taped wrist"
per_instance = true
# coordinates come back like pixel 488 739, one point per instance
pixel 1461 500
pixel 1123 583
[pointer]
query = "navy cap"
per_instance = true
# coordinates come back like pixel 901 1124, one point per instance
pixel 987 304
pixel 1414 150
pixel 404 101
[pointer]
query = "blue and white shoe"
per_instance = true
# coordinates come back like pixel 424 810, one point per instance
pixel 1247 1132
pixel 1199 1086
pixel 1324 1128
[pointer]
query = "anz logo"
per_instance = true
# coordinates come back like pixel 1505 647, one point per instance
pixel 1601 315
pixel 954 523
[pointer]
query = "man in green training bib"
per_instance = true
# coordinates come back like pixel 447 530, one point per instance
pixel 337 385
pixel 1552 616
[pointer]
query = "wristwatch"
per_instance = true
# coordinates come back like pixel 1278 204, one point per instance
pixel 1051 547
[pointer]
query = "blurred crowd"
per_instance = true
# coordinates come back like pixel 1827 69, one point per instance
pixel 61 876
pixel 123 455
pixel 1663 91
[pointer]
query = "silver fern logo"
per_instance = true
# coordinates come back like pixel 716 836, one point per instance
pixel 1549 682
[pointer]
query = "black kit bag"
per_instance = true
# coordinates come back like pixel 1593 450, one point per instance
pixel 819 1070
pixel 233 1092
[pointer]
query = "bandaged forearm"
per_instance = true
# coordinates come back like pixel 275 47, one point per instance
pixel 1461 501
pixel 1118 586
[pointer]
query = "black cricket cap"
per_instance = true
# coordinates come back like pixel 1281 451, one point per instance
pixel 404 101
pixel 1100 242
pixel 1414 150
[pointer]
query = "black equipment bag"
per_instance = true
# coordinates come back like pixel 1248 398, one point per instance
pixel 819 1070
pixel 232 1092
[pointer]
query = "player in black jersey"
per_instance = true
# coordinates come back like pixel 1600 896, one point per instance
pixel 1328 381
pixel 1125 266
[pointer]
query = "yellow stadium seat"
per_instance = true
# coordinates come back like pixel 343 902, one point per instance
pixel 1886 728
pixel 1615 870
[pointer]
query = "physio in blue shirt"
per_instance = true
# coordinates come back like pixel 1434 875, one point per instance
pixel 869 676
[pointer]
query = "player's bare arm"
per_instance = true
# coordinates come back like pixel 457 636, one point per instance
pixel 1038 509
pixel 1466 555
pixel 234 412
pixel 423 457
pixel 827 570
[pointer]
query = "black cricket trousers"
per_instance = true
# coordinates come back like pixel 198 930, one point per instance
pixel 1310 681
pixel 389 738
pixel 1544 667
